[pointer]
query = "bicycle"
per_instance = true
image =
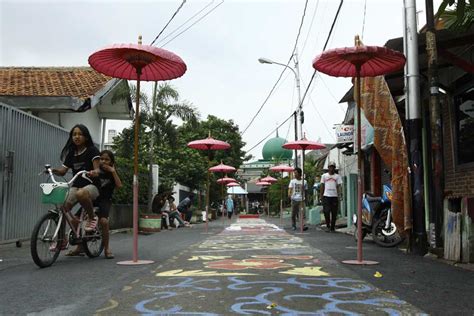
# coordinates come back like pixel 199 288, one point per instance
pixel 49 234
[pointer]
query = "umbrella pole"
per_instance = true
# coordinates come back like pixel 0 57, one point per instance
pixel 135 182
pixel 281 200
pixel 359 260
pixel 208 185
pixel 302 193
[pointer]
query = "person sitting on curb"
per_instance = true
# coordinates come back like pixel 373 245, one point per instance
pixel 175 214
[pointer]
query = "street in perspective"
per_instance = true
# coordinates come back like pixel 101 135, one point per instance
pixel 273 157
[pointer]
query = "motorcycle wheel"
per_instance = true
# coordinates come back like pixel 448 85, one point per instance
pixel 382 237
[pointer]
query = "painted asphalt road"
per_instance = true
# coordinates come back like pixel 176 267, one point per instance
pixel 253 267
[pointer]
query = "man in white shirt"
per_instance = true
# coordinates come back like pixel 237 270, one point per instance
pixel 295 193
pixel 330 190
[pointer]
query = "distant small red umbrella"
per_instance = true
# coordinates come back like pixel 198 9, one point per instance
pixel 137 62
pixel 282 168
pixel 359 61
pixel 208 144
pixel 222 168
pixel 269 179
pixel 263 183
pixel 233 184
pixel 225 180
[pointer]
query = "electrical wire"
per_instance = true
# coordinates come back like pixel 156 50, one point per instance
pixel 270 134
pixel 363 21
pixel 193 23
pixel 185 22
pixel 324 48
pixel 281 74
pixel 171 19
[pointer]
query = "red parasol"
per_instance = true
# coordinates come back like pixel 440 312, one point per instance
pixel 208 144
pixel 137 62
pixel 225 180
pixel 303 144
pixel 263 183
pixel 282 168
pixel 359 61
pixel 222 168
pixel 269 179
pixel 233 184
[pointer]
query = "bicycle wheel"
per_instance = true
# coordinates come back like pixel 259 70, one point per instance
pixel 45 247
pixel 93 243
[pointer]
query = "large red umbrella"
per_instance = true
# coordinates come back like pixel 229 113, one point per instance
pixel 303 144
pixel 359 61
pixel 137 62
pixel 281 168
pixel 208 144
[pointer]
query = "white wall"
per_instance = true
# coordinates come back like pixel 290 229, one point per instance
pixel 89 118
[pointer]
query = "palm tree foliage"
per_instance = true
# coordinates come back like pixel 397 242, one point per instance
pixel 458 19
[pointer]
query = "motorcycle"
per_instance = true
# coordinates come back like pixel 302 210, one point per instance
pixel 377 219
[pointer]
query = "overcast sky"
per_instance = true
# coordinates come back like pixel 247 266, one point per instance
pixel 224 77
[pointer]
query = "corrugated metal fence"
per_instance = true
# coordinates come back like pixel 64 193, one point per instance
pixel 26 145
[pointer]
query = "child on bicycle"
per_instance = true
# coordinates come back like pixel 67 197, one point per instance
pixel 79 154
pixel 109 180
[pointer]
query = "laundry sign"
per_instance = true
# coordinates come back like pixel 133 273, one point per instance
pixel 344 133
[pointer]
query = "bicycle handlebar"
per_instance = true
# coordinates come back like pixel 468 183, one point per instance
pixel 80 173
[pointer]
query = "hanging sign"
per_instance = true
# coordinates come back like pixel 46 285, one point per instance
pixel 344 133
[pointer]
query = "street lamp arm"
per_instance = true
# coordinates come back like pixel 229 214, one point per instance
pixel 263 60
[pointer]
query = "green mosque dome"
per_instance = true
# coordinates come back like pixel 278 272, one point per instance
pixel 272 150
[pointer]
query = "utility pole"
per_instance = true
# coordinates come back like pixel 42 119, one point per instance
pixel 436 132
pixel 295 117
pixel 418 241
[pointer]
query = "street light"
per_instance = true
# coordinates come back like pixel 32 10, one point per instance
pixel 296 72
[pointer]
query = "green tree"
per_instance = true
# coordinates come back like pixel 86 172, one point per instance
pixel 458 19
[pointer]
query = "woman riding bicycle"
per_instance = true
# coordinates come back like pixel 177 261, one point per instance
pixel 79 154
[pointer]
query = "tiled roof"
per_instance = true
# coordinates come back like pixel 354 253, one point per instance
pixel 79 82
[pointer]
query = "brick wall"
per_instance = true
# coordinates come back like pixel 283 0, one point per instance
pixel 459 180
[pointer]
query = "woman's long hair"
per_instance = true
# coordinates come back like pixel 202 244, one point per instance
pixel 70 147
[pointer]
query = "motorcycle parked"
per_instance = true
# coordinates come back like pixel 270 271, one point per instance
pixel 377 219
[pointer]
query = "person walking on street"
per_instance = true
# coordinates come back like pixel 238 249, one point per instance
pixel 295 190
pixel 185 207
pixel 329 192
pixel 229 203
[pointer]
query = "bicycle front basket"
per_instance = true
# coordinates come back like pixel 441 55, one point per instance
pixel 54 193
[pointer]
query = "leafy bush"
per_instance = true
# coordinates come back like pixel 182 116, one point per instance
pixel 124 195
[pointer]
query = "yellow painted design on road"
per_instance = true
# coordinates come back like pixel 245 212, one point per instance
pixel 195 258
pixel 180 272
pixel 113 304
pixel 306 271
pixel 127 288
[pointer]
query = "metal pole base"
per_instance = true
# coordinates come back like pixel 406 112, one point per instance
pixel 361 262
pixel 134 263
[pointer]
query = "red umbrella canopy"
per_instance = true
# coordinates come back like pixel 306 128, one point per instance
pixel 282 168
pixel 263 183
pixel 269 179
pixel 372 60
pixel 209 144
pixel 225 180
pixel 303 144
pixel 233 184
pixel 125 60
pixel 222 168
